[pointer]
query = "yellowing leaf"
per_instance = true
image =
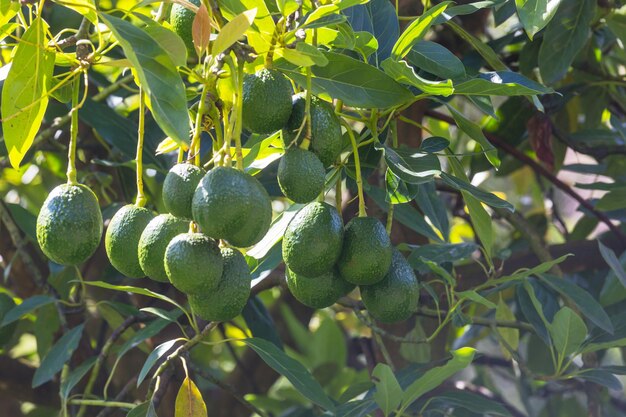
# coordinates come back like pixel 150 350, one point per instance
pixel 189 402
pixel 201 30
pixel 8 9
pixel 25 92
pixel 233 31
pixel 168 145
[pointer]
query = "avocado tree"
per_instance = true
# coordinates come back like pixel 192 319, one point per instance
pixel 313 208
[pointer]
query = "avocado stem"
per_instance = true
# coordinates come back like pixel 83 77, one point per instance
pixel 141 198
pixel 357 168
pixel 306 142
pixel 194 148
pixel 239 115
pixel 71 154
pixel 394 139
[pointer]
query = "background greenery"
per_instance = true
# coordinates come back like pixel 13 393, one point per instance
pixel 493 130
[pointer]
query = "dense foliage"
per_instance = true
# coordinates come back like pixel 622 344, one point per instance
pixel 470 153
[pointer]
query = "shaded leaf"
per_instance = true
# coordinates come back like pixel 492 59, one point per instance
pixel 501 83
pixel 472 402
pixel 509 335
pixel 388 394
pixel 291 369
pixel 260 322
pixel 379 18
pixel 484 196
pixel 75 376
pixel 27 306
pixel 58 356
pixel 601 377
pixel 154 356
pixel 568 332
pixel 614 263
pixel 436 59
pixel 411 166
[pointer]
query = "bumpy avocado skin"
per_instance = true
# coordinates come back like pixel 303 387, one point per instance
pixel 313 239
pixel 266 101
pixel 181 19
pixel 326 139
pixel 231 205
pixel 153 242
pixel 178 188
pixel 301 175
pixel 122 239
pixel 193 263
pixel 69 225
pixel 318 292
pixel 394 298
pixel 366 254
pixel 231 295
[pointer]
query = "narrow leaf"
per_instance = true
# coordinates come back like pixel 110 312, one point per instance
pixel 201 30
pixel 233 31
pixel 156 354
pixel 510 336
pixel 416 30
pixel 403 73
pixel 58 356
pixel 27 306
pixel 611 259
pixel 475 132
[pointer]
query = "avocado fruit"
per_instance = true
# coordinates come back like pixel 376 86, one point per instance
pixel 122 239
pixel 313 239
pixel 232 205
pixel 153 242
pixel 395 297
pixel 69 224
pixel 366 254
pixel 326 137
pixel 318 292
pixel 301 175
pixel 178 187
pixel 267 101
pixel 193 263
pixel 181 20
pixel 231 295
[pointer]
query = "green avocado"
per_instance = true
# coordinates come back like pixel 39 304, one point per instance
pixel 153 242
pixel 122 239
pixel 69 225
pixel 178 188
pixel 318 292
pixel 266 101
pixel 231 205
pixel 181 20
pixel 301 175
pixel 326 138
pixel 394 298
pixel 193 263
pixel 231 295
pixel 366 254
pixel 313 239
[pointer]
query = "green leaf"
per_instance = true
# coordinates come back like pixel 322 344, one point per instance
pixel 416 30
pixel 356 83
pixel 58 356
pixel 135 290
pixel 438 270
pixel 617 23
pixel 86 8
pixel 304 55
pixel 564 38
pixel 430 203
pixel 233 31
pixel 329 9
pixel 535 14
pixel 171 43
pixel 601 377
pixel 291 369
pixel 528 293
pixel 75 376
pixel 475 132
pixel 501 83
pixel 509 335
pixel 157 75
pixel 583 300
pixel 404 214
pixel 140 336
pixel 568 332
pixel 411 166
pixel 260 322
pixel 611 259
pixel 434 144
pixel 474 403
pixel 145 409
pixel 27 306
pixel 25 91
pixel 488 54
pixel 436 59
pixel 8 10
pixel 434 377
pixel 441 253
pixel 388 394
pixel 484 196
pixel 403 73
pixel 153 357
pixel 475 297
pixel 398 191
pixel 189 402
pixel 287 7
